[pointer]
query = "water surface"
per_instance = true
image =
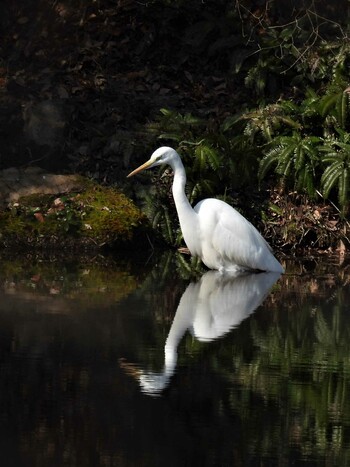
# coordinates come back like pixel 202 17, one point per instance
pixel 126 365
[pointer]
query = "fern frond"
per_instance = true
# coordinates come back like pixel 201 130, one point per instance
pixel 194 192
pixel 345 148
pixel 155 219
pixel 212 157
pixel 286 157
pixel 308 181
pixel 230 122
pixel 331 155
pixel 199 163
pixel 342 108
pixel 190 119
pixel 166 112
pixel 327 102
pixel 343 189
pixel 203 187
pixel 170 136
pixel 299 157
pixel 290 122
pixel 330 176
pixel 284 167
pixel 305 180
pixel 268 161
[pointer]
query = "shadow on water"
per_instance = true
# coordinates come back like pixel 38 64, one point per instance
pixel 246 370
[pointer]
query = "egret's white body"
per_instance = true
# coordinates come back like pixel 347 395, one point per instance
pixel 214 231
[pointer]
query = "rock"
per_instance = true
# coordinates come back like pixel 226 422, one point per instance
pixel 15 183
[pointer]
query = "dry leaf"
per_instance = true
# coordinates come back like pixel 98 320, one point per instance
pixel 39 217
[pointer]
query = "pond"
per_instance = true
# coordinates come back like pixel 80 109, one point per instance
pixel 110 363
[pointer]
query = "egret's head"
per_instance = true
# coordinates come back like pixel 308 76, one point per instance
pixel 163 155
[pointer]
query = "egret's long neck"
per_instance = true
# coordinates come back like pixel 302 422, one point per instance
pixel 179 184
pixel 187 216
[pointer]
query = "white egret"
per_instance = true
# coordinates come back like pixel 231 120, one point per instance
pixel 213 230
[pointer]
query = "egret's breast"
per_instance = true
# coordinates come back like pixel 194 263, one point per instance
pixel 208 221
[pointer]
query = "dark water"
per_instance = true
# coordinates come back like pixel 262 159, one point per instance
pixel 120 365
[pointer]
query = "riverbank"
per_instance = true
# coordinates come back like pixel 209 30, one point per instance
pixel 94 94
pixel 42 211
pixel 54 212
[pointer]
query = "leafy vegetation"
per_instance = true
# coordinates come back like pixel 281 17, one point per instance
pixel 314 157
pixel 306 146
pixel 246 88
pixel 302 139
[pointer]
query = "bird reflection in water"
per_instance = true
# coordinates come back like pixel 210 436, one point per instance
pixel 209 309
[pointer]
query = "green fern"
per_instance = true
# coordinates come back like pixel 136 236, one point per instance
pixel 336 160
pixel 163 218
pixel 270 160
pixel 268 120
pixel 336 104
pixel 293 157
pixel 174 126
pixel 206 157
pixel 201 189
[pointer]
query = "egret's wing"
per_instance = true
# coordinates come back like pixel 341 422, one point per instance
pixel 238 240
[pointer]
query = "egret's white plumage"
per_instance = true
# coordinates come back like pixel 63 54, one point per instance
pixel 214 231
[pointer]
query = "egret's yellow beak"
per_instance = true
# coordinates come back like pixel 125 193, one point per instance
pixel 141 168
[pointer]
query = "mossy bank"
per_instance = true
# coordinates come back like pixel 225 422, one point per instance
pixel 90 218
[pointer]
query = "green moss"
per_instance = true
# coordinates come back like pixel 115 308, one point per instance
pixel 97 214
pixel 109 214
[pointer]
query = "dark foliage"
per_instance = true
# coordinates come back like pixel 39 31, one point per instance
pixel 80 82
